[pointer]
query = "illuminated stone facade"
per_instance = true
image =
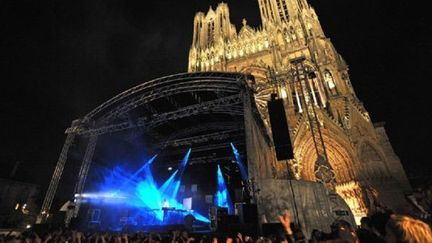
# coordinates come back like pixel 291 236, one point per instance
pixel 358 150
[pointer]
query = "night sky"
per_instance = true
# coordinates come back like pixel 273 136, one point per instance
pixel 60 59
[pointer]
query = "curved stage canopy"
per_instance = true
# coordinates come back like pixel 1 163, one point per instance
pixel 202 111
pixel 174 111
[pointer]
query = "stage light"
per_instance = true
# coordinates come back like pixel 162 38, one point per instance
pixel 242 167
pixel 141 192
pixel 28 226
pixel 222 195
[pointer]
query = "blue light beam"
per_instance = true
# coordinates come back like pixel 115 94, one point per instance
pixel 140 190
pixel 222 195
pixel 242 167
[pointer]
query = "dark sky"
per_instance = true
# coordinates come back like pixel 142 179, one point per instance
pixel 60 59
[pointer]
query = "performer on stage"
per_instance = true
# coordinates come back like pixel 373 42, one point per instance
pixel 165 204
pixel 165 207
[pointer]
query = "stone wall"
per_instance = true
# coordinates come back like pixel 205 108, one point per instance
pixel 315 205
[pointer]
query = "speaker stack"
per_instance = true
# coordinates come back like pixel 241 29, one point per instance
pixel 220 219
pixel 279 127
pixel 248 218
pixel 247 212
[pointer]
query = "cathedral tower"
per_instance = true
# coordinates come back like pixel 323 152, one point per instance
pixel 357 150
pixel 276 12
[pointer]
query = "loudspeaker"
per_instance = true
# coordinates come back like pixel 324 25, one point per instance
pixel 247 212
pixel 226 222
pixel 219 218
pixel 279 127
pixel 221 215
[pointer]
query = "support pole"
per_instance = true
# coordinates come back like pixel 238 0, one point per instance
pixel 85 166
pixel 49 197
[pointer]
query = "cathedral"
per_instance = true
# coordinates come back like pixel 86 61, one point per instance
pixel 334 139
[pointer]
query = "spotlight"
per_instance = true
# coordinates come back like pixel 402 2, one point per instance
pixel 28 226
pixel 170 168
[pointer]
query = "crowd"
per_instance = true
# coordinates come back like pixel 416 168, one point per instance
pixel 380 227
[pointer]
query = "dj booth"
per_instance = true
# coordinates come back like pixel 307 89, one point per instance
pixel 120 218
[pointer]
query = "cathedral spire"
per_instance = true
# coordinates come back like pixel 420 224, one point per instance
pixel 212 27
pixel 276 12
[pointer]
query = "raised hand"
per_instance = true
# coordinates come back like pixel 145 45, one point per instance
pixel 48 238
pixel 240 237
pixel 285 220
pixel 190 239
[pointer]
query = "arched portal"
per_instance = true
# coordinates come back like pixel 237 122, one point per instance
pixel 372 163
pixel 340 158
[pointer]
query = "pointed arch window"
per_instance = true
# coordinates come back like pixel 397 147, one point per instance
pixel 296 98
pixel 293 34
pixel 313 86
pixel 330 83
pixel 221 20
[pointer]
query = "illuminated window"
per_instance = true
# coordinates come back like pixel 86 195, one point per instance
pixel 331 85
pixel 293 34
pixel 314 89
pixel 296 99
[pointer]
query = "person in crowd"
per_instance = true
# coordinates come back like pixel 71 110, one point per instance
pixel 378 222
pixel 286 221
pixel 380 227
pixel 404 229
pixel 342 231
pixel 365 233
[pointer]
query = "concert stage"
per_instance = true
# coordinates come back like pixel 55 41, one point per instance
pixel 198 140
pixel 179 138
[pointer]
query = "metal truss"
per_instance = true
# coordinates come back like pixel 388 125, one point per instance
pixel 216 146
pixel 85 166
pixel 173 102
pixel 52 189
pixel 210 159
pixel 152 95
pixel 207 127
pixel 202 160
pixel 166 86
pixel 217 136
pixel 207 147
pixel 196 97
pixel 82 176
pixel 225 105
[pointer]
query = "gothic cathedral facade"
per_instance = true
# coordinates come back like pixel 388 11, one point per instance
pixel 366 169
